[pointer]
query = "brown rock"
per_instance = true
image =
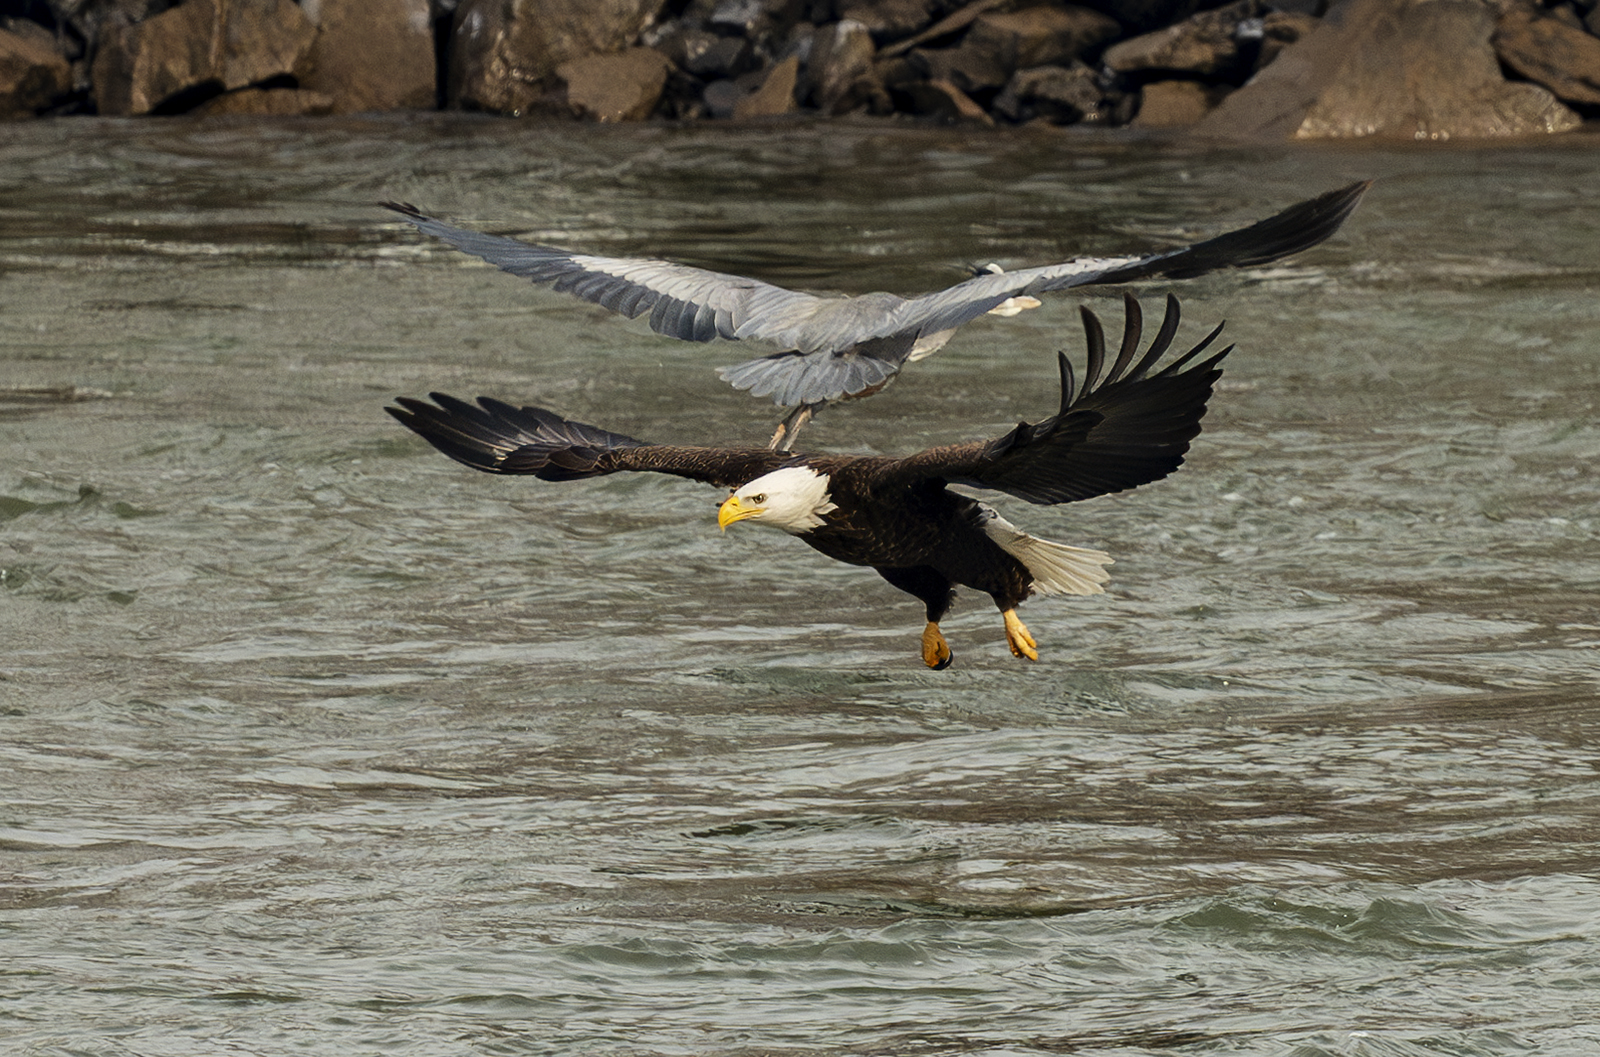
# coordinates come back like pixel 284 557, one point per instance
pixel 776 94
pixel 968 68
pixel 1207 43
pixel 1062 95
pixel 890 20
pixel 622 86
pixel 31 76
pixel 1175 104
pixel 223 43
pixel 1549 52
pixel 1411 69
pixel 372 54
pixel 504 53
pixel 269 102
pixel 1040 36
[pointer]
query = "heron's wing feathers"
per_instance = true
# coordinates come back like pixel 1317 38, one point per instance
pixel 792 378
pixel 1127 429
pixel 1297 228
pixel 497 438
pixel 683 301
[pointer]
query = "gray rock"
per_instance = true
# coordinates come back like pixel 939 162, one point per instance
pixel 1212 42
pixel 705 54
pixel 1409 69
pixel 504 53
pixel 1549 51
pixel 840 76
pixel 220 43
pixel 32 75
pixel 372 54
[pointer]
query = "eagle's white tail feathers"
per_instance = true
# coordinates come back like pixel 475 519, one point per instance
pixel 1057 568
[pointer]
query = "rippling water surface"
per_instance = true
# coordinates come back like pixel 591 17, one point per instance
pixel 315 742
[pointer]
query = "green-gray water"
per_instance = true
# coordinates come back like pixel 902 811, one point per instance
pixel 315 742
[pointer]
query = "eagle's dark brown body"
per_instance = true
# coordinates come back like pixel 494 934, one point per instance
pixel 1129 425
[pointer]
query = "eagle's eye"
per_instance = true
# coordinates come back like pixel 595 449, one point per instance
pixel 759 498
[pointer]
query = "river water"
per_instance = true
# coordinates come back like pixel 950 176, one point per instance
pixel 315 742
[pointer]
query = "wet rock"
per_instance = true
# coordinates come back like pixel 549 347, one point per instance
pixel 372 54
pixel 840 77
pixel 32 75
pixel 1549 51
pixel 270 102
pixel 1061 95
pixel 1039 36
pixel 621 86
pixel 776 94
pixel 91 19
pixel 504 53
pixel 1212 42
pixel 756 20
pixel 1176 104
pixel 203 47
pixel 945 101
pixel 1412 69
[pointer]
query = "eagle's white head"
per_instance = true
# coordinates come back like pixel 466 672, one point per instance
pixel 793 499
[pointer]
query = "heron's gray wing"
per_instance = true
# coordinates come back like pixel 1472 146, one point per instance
pixel 683 301
pixel 1130 428
pixel 793 378
pixel 1297 228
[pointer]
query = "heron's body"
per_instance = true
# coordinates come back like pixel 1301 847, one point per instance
pixel 835 348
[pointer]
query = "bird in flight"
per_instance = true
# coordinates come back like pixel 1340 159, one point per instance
pixel 1128 425
pixel 838 348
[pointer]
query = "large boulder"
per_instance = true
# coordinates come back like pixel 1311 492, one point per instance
pixel 776 94
pixel 205 45
pixel 839 75
pixel 32 75
pixel 504 53
pixel 1175 104
pixel 1563 58
pixel 1040 36
pixel 619 86
pixel 1409 69
pixel 372 54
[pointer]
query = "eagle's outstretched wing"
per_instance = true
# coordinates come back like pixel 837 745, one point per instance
pixel 1124 430
pixel 698 305
pixel 497 438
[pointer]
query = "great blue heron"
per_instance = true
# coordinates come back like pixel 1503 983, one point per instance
pixel 836 348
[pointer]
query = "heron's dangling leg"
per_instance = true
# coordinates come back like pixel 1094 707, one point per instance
pixel 789 428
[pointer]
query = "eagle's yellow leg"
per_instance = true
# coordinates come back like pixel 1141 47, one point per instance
pixel 1017 637
pixel 935 651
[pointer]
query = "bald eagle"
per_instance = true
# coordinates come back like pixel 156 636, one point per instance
pixel 837 348
pixel 1127 426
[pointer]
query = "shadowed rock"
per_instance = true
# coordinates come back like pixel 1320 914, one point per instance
pixel 220 44
pixel 32 75
pixel 776 94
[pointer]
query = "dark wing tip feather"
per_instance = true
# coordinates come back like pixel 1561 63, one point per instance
pixel 405 209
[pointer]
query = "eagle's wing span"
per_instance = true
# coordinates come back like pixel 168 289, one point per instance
pixel 683 301
pixel 1297 228
pixel 1131 428
pixel 497 438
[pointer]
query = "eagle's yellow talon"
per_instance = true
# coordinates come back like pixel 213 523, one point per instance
pixel 1018 638
pixel 935 651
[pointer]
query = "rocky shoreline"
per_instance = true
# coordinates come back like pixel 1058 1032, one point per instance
pixel 1245 69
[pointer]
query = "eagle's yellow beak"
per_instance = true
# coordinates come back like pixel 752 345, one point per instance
pixel 732 510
